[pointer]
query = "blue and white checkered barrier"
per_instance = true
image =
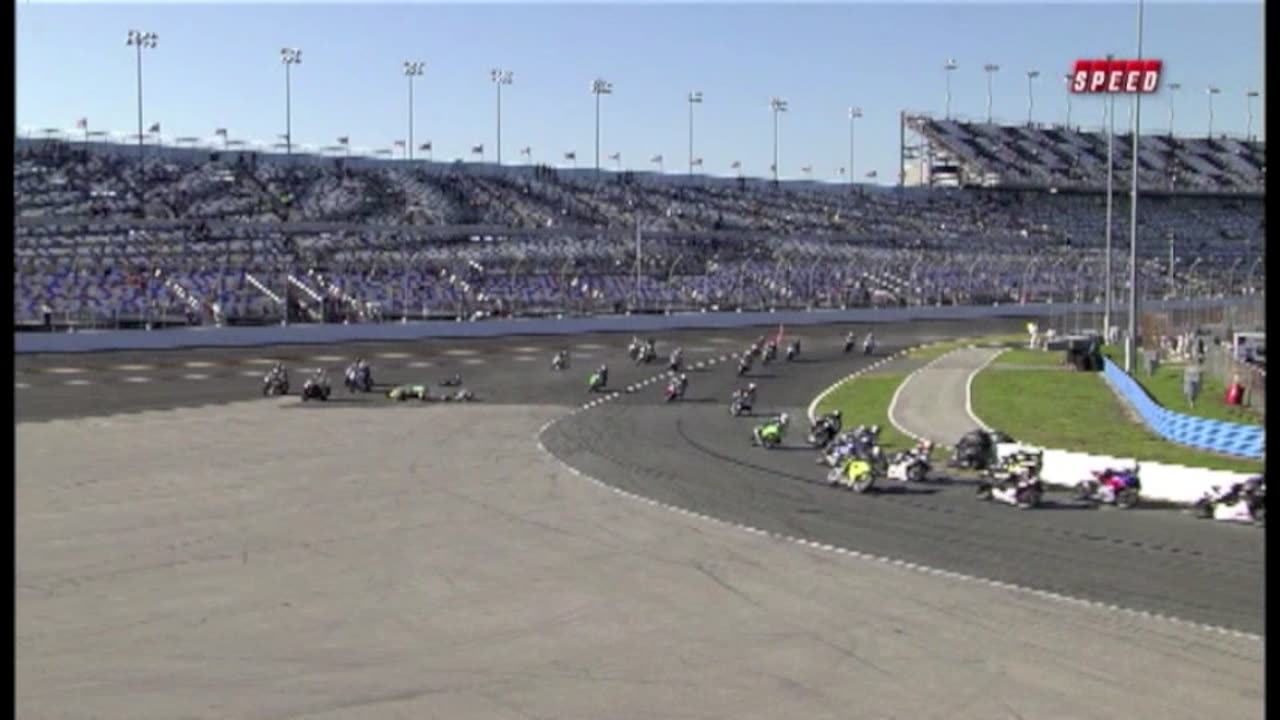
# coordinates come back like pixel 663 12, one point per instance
pixel 1215 435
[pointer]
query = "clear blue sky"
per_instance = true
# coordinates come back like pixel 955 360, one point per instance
pixel 219 66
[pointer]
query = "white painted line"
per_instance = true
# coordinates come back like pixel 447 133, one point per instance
pixel 721 341
pixel 524 358
pixel 65 370
pixel 526 349
pixel 202 376
pixel 461 352
pixel 393 355
pixel 589 346
pixel 968 389
pixel 137 379
pixel 329 358
pixel 474 361
pixel 77 382
pixel 420 364
pixel 260 361
pixel 246 373
pixel 21 385
pixel 133 368
pixel 198 364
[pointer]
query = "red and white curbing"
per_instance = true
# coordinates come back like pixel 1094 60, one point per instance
pixel 837 550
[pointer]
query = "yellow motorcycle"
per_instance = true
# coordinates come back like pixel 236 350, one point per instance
pixel 856 474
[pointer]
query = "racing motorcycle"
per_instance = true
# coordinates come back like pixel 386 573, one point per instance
pixel 358 379
pixel 648 353
pixel 674 390
pixel 770 353
pixel 461 395
pixel 744 365
pixel 674 363
pixel 849 342
pixel 595 382
pixel 976 450
pixel 276 382
pixel 560 362
pixel 769 435
pixel 1120 488
pixel 315 389
pixel 911 465
pixel 858 474
pixel 739 405
pixel 402 393
pixel 454 381
pixel 1016 481
pixel 821 433
pixel 1245 502
pixel 793 350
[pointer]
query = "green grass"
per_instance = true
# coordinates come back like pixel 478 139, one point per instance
pixel 1165 387
pixel 937 350
pixel 1023 356
pixel 865 401
pixel 1078 411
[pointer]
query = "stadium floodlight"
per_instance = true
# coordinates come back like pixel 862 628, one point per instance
pixel 990 69
pixel 290 57
pixel 412 69
pixel 139 40
pixel 695 98
pixel 1031 97
pixel 777 105
pixel 1131 345
pixel 1210 92
pixel 948 69
pixel 500 77
pixel 1249 96
pixel 1067 78
pixel 599 87
pixel 1173 88
pixel 1111 173
pixel 854 114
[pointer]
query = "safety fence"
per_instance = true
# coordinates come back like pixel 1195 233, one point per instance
pixel 1213 435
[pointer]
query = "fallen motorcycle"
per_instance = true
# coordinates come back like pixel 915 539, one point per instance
pixel 1120 488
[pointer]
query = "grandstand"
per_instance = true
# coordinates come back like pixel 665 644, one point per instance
pixel 219 236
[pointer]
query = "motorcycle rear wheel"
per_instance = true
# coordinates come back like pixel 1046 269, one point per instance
pixel 1126 498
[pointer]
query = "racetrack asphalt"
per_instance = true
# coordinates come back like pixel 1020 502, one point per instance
pixel 641 616
pixel 693 455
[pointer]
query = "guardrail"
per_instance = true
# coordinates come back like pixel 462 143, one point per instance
pixel 168 339
pixel 1214 435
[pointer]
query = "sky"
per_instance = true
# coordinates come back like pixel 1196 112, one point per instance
pixel 218 65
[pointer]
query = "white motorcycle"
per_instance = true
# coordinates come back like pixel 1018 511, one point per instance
pixel 1017 482
pixel 1236 505
pixel 909 466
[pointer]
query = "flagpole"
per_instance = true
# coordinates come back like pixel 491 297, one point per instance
pixel 1131 345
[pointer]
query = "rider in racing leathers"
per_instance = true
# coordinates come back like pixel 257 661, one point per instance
pixel 869 343
pixel 775 429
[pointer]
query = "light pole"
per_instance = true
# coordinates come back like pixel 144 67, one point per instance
pixel 777 105
pixel 990 69
pixel 695 98
pixel 1067 78
pixel 599 87
pixel 1031 98
pixel 1173 88
pixel 1132 344
pixel 500 77
pixel 1249 96
pixel 1210 92
pixel 411 70
pixel 290 57
pixel 947 70
pixel 854 114
pixel 139 40
pixel 1111 138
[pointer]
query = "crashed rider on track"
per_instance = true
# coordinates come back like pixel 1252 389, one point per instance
pixel 746 396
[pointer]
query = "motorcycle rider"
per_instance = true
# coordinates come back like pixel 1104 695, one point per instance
pixel 849 341
pixel 869 343
pixel 603 374
pixel 776 428
pixel 677 356
pixel 560 361
pixel 793 349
